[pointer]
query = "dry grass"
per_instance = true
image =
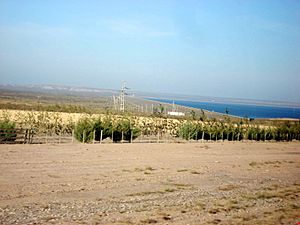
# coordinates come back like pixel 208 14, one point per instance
pixel 116 187
pixel 225 205
pixel 42 120
pixel 170 190
pixel 158 192
pixel 196 172
pixel 253 164
pixel 228 187
pixel 266 163
pixel 149 221
pixel 149 168
pixel 275 192
pixel 182 170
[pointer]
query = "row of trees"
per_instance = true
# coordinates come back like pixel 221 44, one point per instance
pixel 231 131
pixel 95 129
pixel 125 128
pixel 89 129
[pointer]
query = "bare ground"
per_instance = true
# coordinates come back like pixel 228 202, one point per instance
pixel 198 183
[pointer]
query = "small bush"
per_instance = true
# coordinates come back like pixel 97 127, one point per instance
pixel 7 126
pixel 84 130
pixel 188 131
pixel 106 127
pixel 87 127
pixel 127 128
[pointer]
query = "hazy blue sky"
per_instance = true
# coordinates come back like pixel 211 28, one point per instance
pixel 241 48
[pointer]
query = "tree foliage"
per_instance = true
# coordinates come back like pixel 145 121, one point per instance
pixel 213 130
pixel 84 130
pixel 126 128
pixel 6 130
pixel 87 129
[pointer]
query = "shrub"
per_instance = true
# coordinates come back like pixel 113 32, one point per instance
pixel 106 127
pixel 87 127
pixel 188 131
pixel 7 126
pixel 127 128
pixel 84 130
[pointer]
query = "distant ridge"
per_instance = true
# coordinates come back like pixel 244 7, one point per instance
pixel 89 91
pixel 53 88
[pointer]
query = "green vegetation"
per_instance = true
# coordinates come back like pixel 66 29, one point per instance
pixel 188 131
pixel 84 130
pixel 105 126
pixel 216 130
pixel 6 130
pixel 88 129
pixel 159 110
pixel 126 128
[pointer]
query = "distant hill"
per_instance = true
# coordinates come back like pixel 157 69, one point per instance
pixel 87 91
pixel 60 89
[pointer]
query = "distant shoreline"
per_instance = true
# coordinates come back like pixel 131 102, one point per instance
pixel 230 101
pixel 239 109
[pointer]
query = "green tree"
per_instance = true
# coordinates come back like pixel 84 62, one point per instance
pixel 203 116
pixel 158 110
pixel 105 126
pixel 193 115
pixel 7 132
pixel 226 111
pixel 84 130
pixel 188 131
pixel 127 128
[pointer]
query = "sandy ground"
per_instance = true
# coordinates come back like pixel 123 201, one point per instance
pixel 195 183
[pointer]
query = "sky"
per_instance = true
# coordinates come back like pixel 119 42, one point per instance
pixel 230 48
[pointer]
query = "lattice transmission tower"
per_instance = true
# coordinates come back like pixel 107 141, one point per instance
pixel 119 101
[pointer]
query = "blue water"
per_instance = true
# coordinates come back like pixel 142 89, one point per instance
pixel 241 110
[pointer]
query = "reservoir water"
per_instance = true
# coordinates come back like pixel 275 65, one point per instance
pixel 241 110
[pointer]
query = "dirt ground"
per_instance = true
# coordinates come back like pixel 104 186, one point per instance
pixel 195 183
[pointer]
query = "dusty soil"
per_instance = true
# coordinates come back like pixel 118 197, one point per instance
pixel 195 183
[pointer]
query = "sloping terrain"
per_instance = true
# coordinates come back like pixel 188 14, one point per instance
pixel 199 183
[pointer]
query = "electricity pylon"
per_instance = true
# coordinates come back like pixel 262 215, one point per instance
pixel 122 97
pixel 119 101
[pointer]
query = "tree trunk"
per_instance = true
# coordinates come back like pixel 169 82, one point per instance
pixel 83 136
pixel 94 136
